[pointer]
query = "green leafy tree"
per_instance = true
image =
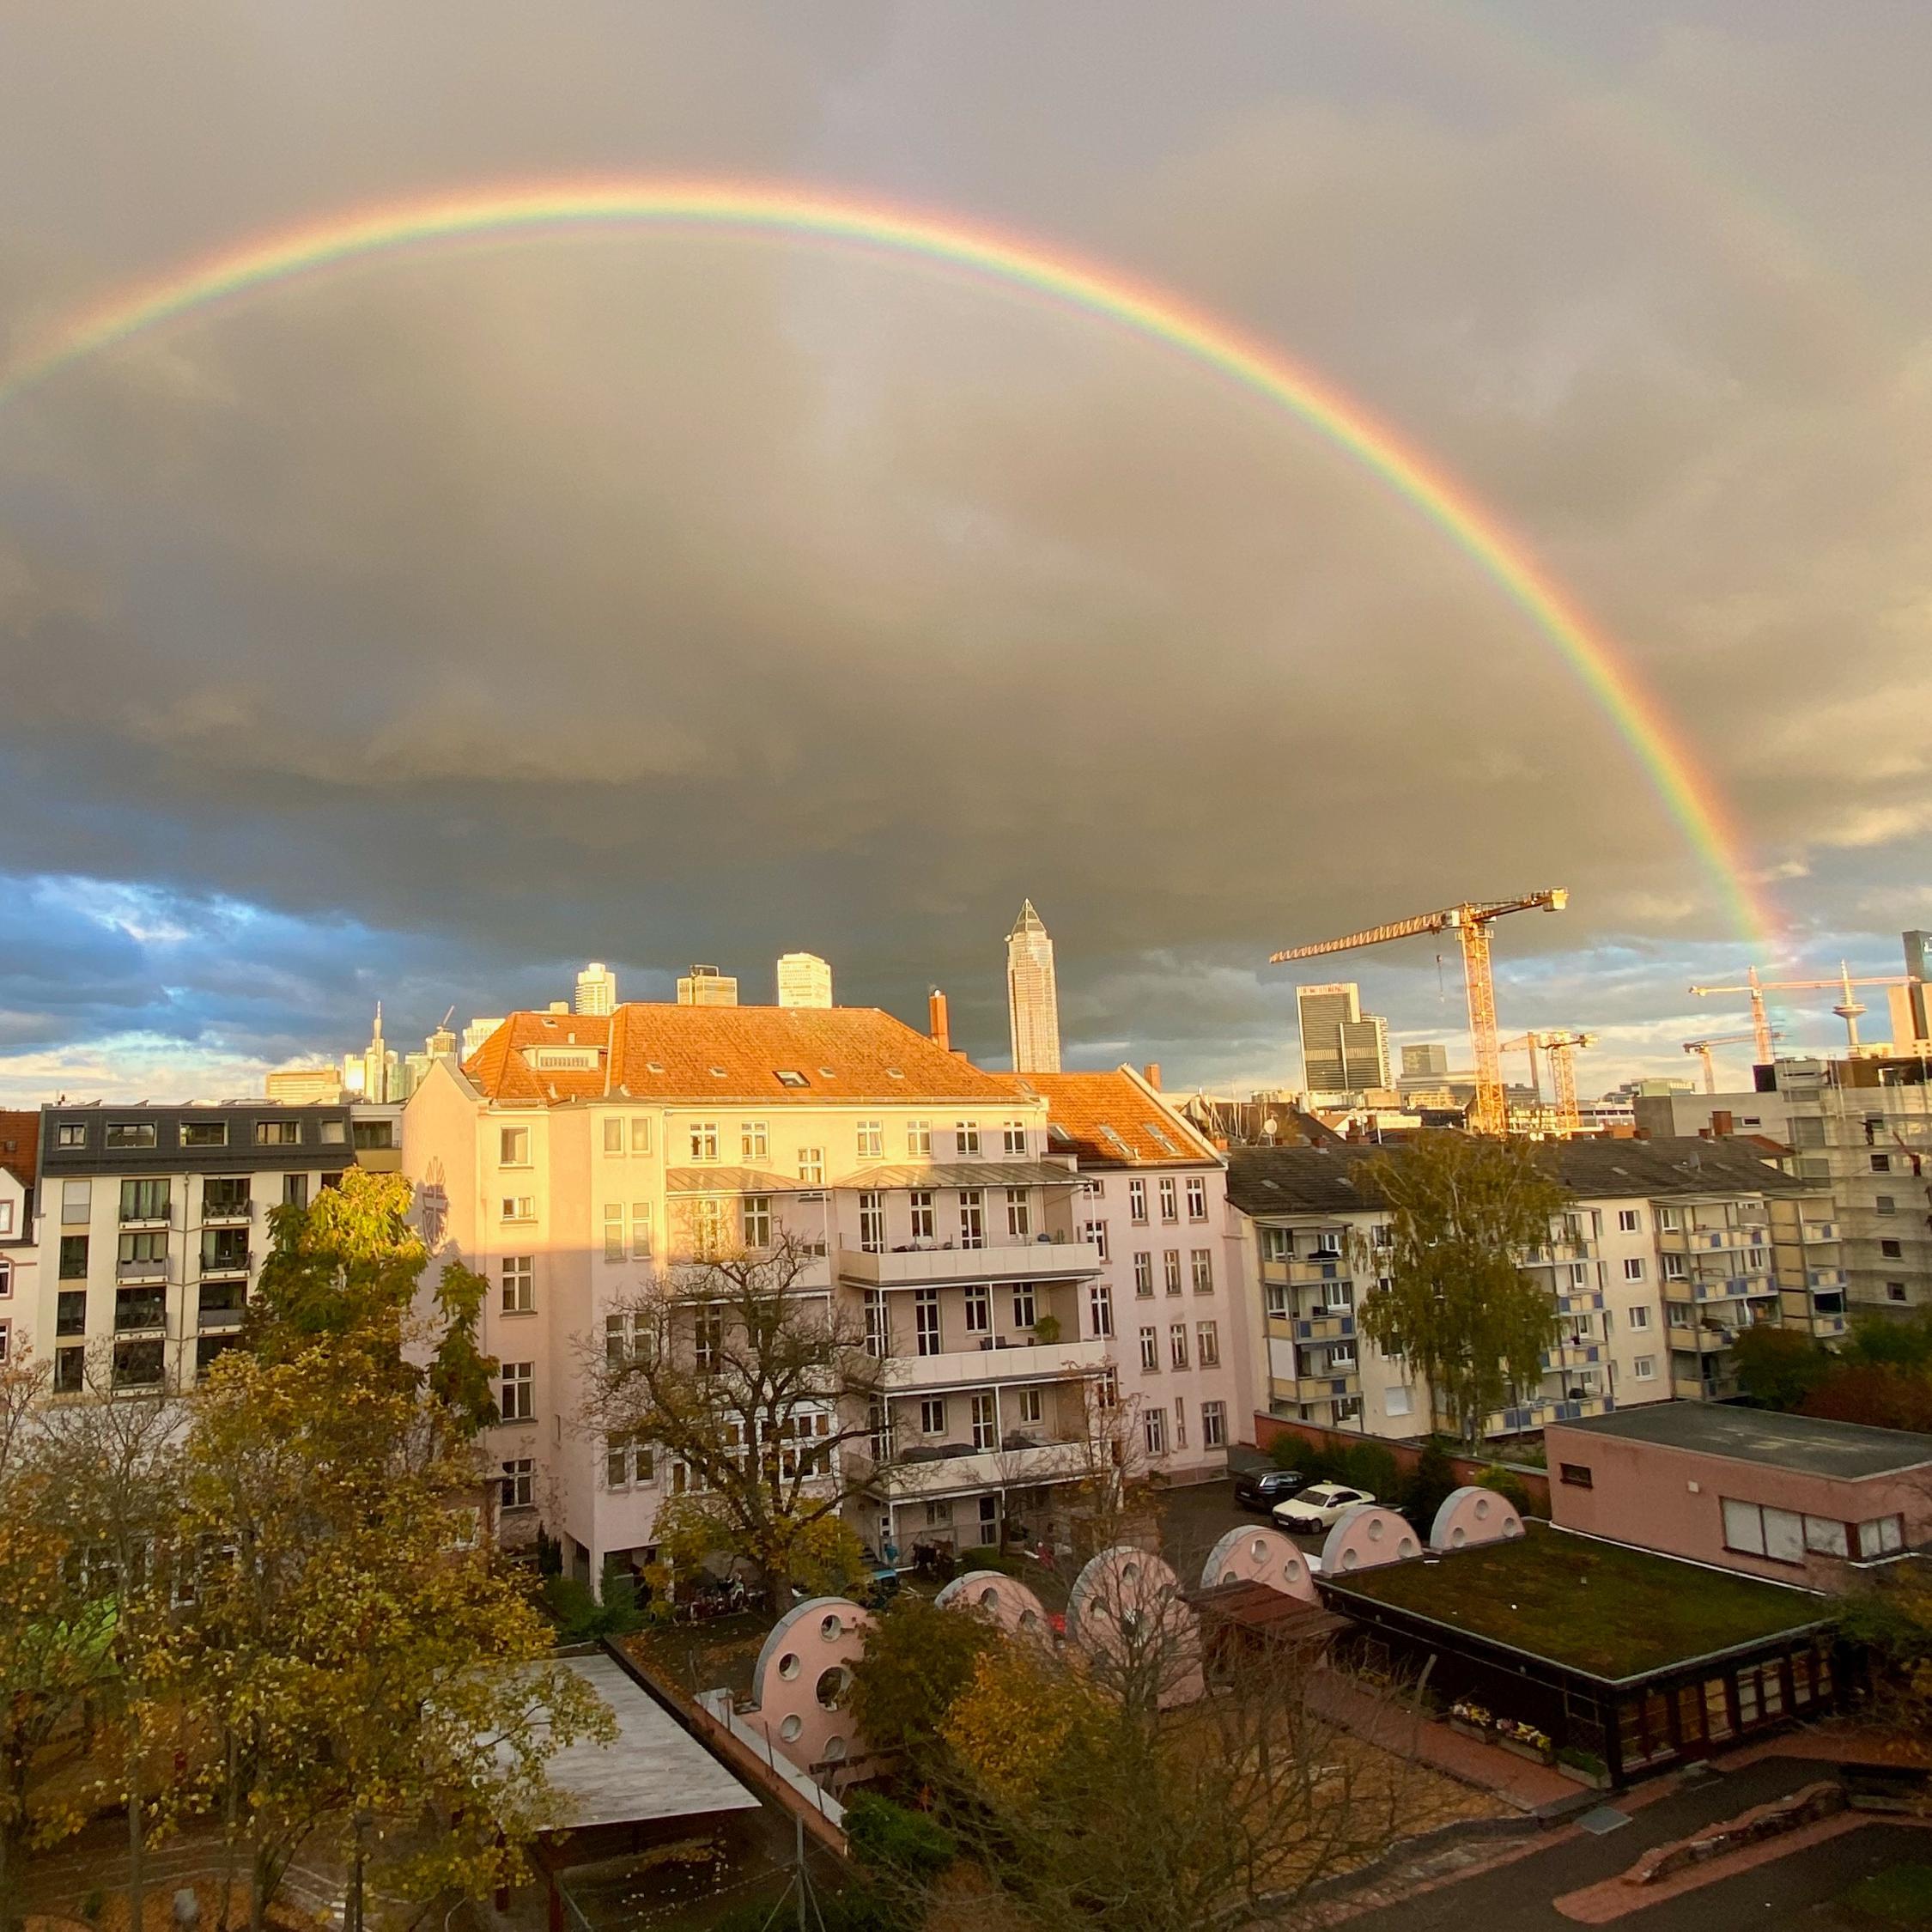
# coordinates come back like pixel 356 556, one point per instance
pixel 1779 1367
pixel 462 1378
pixel 1880 1341
pixel 918 1660
pixel 1463 1209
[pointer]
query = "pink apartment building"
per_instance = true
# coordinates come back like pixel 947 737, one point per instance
pixel 1788 1498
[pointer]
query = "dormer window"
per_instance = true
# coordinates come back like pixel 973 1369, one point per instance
pixel 791 1077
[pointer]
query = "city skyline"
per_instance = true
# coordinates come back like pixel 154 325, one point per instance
pixel 1621 331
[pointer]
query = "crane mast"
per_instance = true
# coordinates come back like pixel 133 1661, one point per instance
pixel 1848 1008
pixel 1470 921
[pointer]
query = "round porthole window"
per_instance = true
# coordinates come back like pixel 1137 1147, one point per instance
pixel 831 1627
pixel 1258 1549
pixel 989 1598
pixel 788 1666
pixel 832 1686
pixel 1130 1573
pixel 834 1750
pixel 790 1728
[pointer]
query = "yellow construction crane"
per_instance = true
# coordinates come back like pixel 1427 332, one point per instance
pixel 1702 1049
pixel 1470 921
pixel 1848 1008
pixel 1561 1046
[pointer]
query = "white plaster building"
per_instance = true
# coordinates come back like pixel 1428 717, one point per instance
pixel 803 980
pixel 570 1159
pixel 1153 1201
pixel 20 1141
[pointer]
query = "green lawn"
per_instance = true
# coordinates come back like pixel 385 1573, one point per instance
pixel 1900 1896
pixel 1598 1608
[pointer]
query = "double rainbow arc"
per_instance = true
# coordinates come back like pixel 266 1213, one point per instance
pixel 1690 797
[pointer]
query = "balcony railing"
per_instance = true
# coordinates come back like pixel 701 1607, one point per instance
pixel 981 1367
pixel 1573 1355
pixel 1334 1325
pixel 1821 1231
pixel 1548 1254
pixel 219 1319
pixel 1317 1388
pixel 128 1273
pixel 1702 1241
pixel 966 1470
pixel 1585 1301
pixel 161 1215
pixel 214 1267
pixel 1824 1278
pixel 1520 1416
pixel 1008 1261
pixel 227 1214
pixel 136 1315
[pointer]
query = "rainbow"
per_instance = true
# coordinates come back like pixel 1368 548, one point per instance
pixel 774 211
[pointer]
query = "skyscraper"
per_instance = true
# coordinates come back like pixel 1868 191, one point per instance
pixel 803 980
pixel 1429 1062
pixel 705 985
pixel 1032 997
pixel 597 989
pixel 1343 1050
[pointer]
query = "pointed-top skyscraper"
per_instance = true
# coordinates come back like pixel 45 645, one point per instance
pixel 1032 998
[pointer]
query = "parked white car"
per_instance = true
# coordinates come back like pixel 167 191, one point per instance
pixel 1320 1506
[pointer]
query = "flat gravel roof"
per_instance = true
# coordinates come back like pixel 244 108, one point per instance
pixel 1803 1443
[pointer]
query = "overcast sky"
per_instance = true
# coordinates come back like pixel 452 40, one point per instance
pixel 420 631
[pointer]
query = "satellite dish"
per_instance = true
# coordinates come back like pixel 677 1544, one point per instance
pixel 1271 1125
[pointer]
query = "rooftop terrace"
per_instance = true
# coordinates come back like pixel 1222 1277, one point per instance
pixel 1600 1609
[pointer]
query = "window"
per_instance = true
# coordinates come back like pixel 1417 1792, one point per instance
pixel 1644 1368
pixel 1886 1205
pixel 979 1309
pixel 1031 1407
pixel 1761 1530
pixel 708 1339
pixel 613 1135
pixel 787 1076
pixel 972 1218
pixel 1100 1310
pixel 519 1284
pixel 967 1136
pixel 1202 1260
pixel 71 1370
pixel 986 1432
pixel 520 1483
pixel 513 1146
pixel 641 1134
pixel 1179 1422
pixel 758 1220
pixel 1575 1475
pixel 1638 1316
pixel 754 1141
pixel 924 1226
pixel 1153 1431
pixel 138 1364
pixel 1170 1267
pixel 1881 1163
pixel 1893 1250
pixel 1025 1311
pixel 707 1221
pixel 1633 1268
pixel 1278 1244
pixel 919 1139
pixel 626 1462
pixel 1207 1344
pixel 145 1200
pixel 1881 1536
pixel 1213 1425
pixel 932 1416
pixel 1106 1390
pixel 1669 1220
pixel 74 1257
pixel 1398 1400
pixel 613 1230
pixel 294 1190
pixel 1675 1268
pixel 134 1133
pixel 1137 1202
pixel 71 1312
pixel 878 1338
pixel 1096 1231
pixel 226 1195
pixel 1197 1198
pixel 1150 1349
pixel 1629 1221
pixel 518 1401
pixel 1824 1537
pixel 872 1224
pixel 812 1166
pixel 1019 1215
pixel 1171 1210
pixel 703 1142
pixel 1177 1344
pixel 1012 1137
pixel 71 1133
pixel 872 1140
pixel 204 1134
pixel 641 1230
pixel 926 1320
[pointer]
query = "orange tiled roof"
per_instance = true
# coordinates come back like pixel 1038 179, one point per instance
pixel 685 1054
pixel 20 1144
pixel 1107 1119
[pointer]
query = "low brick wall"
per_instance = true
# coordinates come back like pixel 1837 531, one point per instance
pixel 1802 1807
pixel 1271 1428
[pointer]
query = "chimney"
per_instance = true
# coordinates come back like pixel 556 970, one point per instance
pixel 1152 1074
pixel 936 1020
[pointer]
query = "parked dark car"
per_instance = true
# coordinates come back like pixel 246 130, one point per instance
pixel 1262 1488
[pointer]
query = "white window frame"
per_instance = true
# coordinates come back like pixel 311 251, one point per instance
pixel 1201 1261
pixel 919 1139
pixel 925 1221
pixel 1177 1344
pixel 512 1147
pixel 1100 1310
pixel 518 1279
pixel 1207 1344
pixel 1019 1215
pixel 702 1140
pixel 755 1218
pixel 754 1141
pixel 641 1230
pixel 1137 1201
pixel 1012 1138
pixel 614 1133
pixel 1214 1425
pixel 979 1309
pixel 1143 1274
pixel 1633 1268
pixel 966 1136
pixel 972 1218
pixel 615 1249
pixel 1150 1350
pixel 1630 1220
pixel 872 1140
pixel 1197 1197
pixel 517 1386
pixel 1171 1199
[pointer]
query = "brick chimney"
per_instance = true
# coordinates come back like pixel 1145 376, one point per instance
pixel 936 1020
pixel 1152 1074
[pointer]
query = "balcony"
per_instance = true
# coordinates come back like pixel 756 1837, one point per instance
pixel 933 1267
pixel 1316 1389
pixel 1731 1288
pixel 1711 1338
pixel 1585 1301
pixel 977 1367
pixel 1823 1324
pixel 1709 1241
pixel 227 1214
pixel 1824 1278
pixel 1332 1325
pixel 229 1267
pixel 1556 1253
pixel 969 1470
pixel 1574 1355
pixel 1821 1231
pixel 137 1314
pixel 1520 1416
pixel 130 1274
pixel 156 1214
pixel 219 1318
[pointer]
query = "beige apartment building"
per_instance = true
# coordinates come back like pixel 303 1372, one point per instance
pixel 574 1157
pixel 1668 1250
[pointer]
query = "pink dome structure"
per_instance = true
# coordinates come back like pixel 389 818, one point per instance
pixel 1005 1599
pixel 1260 1556
pixel 1128 1612
pixel 1472 1514
pixel 803 1682
pixel 1367 1536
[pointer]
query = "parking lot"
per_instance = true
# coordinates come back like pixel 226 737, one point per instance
pixel 1195 1518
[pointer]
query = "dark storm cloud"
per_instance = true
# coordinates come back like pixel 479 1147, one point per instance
pixel 694 599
